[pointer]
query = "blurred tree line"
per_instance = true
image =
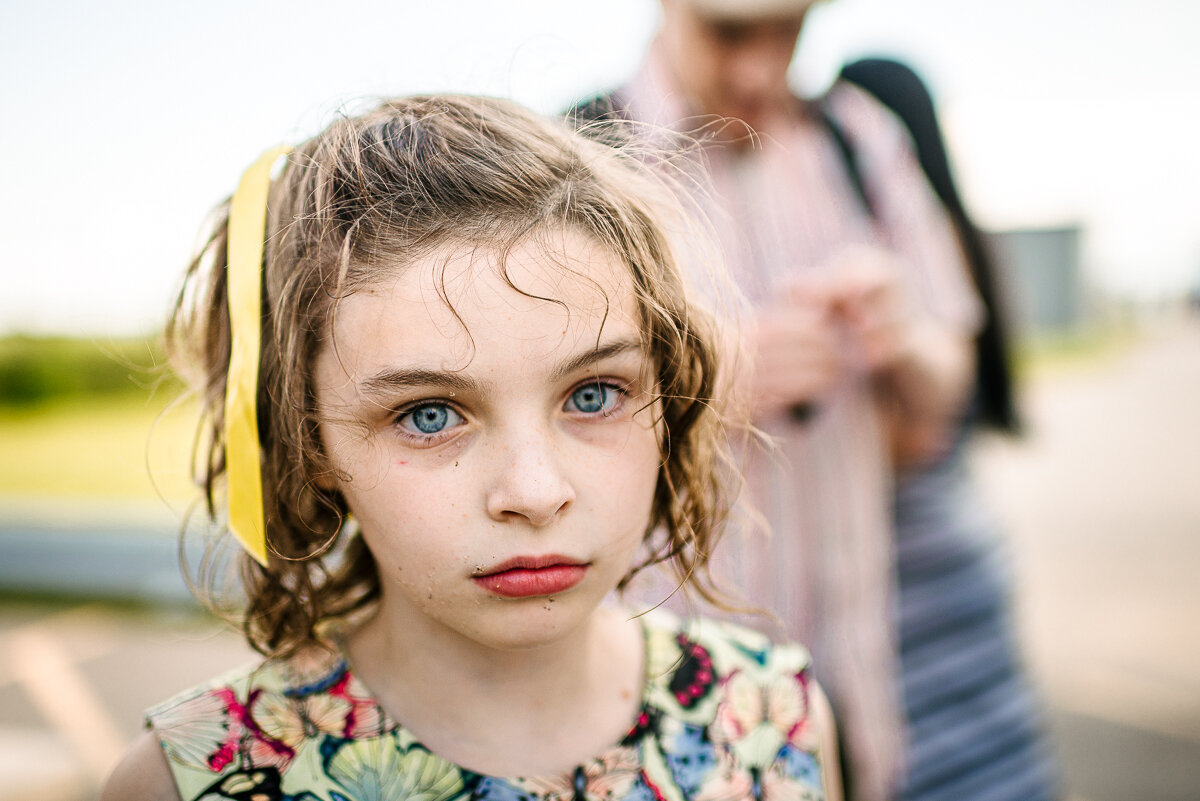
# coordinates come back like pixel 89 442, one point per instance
pixel 34 369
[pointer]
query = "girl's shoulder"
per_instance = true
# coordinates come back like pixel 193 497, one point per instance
pixel 727 708
pixel 693 666
pixel 732 647
pixel 234 695
pixel 251 726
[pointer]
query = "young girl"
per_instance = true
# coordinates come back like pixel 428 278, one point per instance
pixel 470 399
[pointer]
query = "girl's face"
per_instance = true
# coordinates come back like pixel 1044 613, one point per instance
pixel 497 446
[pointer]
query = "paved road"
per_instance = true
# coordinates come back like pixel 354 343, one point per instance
pixel 1102 502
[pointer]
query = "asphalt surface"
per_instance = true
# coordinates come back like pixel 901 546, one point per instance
pixel 1101 503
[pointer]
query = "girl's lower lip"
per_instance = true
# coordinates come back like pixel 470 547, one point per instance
pixel 532 582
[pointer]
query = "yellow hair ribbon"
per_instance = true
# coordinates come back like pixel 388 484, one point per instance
pixel 243 459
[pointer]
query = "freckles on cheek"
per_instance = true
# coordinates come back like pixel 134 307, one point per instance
pixel 629 489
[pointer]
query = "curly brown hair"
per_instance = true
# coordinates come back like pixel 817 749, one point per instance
pixel 381 190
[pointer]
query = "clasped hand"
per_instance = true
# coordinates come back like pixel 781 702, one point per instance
pixel 851 316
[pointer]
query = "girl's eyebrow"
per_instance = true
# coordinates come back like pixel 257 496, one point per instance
pixel 597 354
pixel 390 380
pixel 387 381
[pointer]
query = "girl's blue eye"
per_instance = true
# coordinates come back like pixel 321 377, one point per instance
pixel 430 419
pixel 595 398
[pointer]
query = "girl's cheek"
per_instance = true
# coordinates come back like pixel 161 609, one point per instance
pixel 445 456
pixel 611 436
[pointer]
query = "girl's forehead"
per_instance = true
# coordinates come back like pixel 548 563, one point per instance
pixel 558 291
pixel 559 265
pixel 565 267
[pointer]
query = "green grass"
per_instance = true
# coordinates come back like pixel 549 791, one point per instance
pixel 121 447
pixel 1052 352
pixel 35 370
pixel 89 419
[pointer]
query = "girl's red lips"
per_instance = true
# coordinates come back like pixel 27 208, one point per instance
pixel 532 576
pixel 531 563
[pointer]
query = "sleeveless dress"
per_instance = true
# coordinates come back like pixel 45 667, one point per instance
pixel 724 716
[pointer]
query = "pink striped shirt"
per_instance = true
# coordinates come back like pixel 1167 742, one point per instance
pixel 825 566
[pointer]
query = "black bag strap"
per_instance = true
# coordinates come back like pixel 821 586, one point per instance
pixel 845 148
pixel 603 107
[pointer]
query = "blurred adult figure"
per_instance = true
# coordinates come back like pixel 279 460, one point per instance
pixel 863 322
pixel 974 725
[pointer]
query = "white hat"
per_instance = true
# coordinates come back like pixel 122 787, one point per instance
pixel 750 9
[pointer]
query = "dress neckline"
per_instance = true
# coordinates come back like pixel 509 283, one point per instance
pixel 338 674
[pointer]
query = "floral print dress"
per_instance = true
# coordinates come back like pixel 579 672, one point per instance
pixel 724 717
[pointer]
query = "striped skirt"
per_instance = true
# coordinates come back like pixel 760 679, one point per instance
pixel 975 729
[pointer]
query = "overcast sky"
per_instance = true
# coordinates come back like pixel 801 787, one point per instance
pixel 124 122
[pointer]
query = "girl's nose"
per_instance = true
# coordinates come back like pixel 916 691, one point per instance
pixel 529 483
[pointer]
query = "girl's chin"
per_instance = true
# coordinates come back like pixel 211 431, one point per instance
pixel 531 623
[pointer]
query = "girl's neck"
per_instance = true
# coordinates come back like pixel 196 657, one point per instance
pixel 530 712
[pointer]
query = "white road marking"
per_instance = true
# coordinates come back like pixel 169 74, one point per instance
pixel 54 684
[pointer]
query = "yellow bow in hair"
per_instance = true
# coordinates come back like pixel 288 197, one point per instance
pixel 243 458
